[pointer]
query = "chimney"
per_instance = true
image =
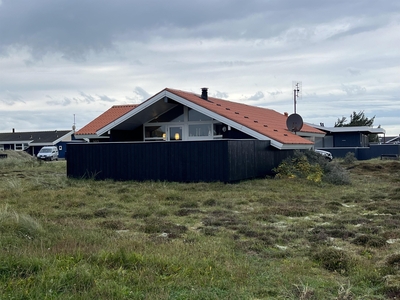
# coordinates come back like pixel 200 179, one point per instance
pixel 285 114
pixel 204 93
pixel 13 130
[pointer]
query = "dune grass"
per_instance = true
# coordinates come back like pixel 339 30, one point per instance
pixel 269 238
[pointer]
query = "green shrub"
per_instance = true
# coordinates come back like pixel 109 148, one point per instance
pixel 370 241
pixel 394 260
pixel 333 259
pixel 336 174
pixel 350 158
pixel 300 167
pixel 312 166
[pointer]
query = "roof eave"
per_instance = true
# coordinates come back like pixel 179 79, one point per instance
pixel 16 142
pixel 297 146
pixel 311 134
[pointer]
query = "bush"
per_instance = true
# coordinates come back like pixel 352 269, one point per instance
pixel 312 166
pixel 336 174
pixel 300 167
pixel 350 158
pixel 333 259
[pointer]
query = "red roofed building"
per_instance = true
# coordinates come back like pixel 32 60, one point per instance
pixel 174 115
pixel 187 137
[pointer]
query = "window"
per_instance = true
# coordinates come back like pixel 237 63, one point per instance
pixel 175 114
pixel 19 147
pixel 175 133
pixel 194 115
pixel 199 130
pixel 156 132
pixel 182 123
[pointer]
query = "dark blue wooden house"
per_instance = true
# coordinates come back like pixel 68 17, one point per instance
pixel 183 136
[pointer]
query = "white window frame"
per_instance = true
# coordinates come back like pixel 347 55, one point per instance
pixel 185 128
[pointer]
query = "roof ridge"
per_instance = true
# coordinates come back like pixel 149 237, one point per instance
pixel 124 105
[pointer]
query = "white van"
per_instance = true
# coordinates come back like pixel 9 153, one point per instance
pixel 48 153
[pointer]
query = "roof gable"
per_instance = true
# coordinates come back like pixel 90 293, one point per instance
pixel 105 119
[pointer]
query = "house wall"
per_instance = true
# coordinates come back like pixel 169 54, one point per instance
pixel 350 139
pixel 188 161
pixel 365 153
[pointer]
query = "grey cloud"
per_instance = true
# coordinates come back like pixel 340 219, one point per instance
pixel 141 94
pixel 275 93
pixel 106 99
pixel 354 31
pixel 352 90
pixel 257 96
pixel 84 98
pixel 221 95
pixel 11 98
pixel 64 102
pixel 353 72
pixel 74 28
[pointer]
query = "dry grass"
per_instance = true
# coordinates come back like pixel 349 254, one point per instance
pixel 258 239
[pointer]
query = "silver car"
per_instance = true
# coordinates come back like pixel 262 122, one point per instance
pixel 325 154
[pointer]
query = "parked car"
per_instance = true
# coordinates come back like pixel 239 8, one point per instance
pixel 325 154
pixel 48 153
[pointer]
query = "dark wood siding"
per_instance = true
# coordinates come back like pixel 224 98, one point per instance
pixel 189 161
pixel 350 139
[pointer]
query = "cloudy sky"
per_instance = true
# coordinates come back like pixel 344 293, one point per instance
pixel 66 58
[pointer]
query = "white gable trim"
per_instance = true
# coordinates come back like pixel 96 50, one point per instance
pixel 131 113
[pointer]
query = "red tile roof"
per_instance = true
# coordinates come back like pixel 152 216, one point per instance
pixel 265 121
pixel 106 118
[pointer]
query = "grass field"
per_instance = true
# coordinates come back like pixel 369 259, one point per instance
pixel 269 238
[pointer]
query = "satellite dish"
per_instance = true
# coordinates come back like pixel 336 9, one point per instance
pixel 294 122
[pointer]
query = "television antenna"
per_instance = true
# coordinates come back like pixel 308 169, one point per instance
pixel 73 126
pixel 297 92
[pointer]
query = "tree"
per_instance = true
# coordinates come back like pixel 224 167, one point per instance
pixel 356 119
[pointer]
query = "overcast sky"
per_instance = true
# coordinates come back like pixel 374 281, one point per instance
pixel 66 58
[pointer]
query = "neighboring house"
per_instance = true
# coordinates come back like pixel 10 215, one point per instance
pixel 350 136
pixel 32 142
pixel 183 136
pixel 341 140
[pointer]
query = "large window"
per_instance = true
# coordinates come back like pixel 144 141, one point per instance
pixel 175 114
pixel 194 115
pixel 198 130
pixel 156 132
pixel 182 123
